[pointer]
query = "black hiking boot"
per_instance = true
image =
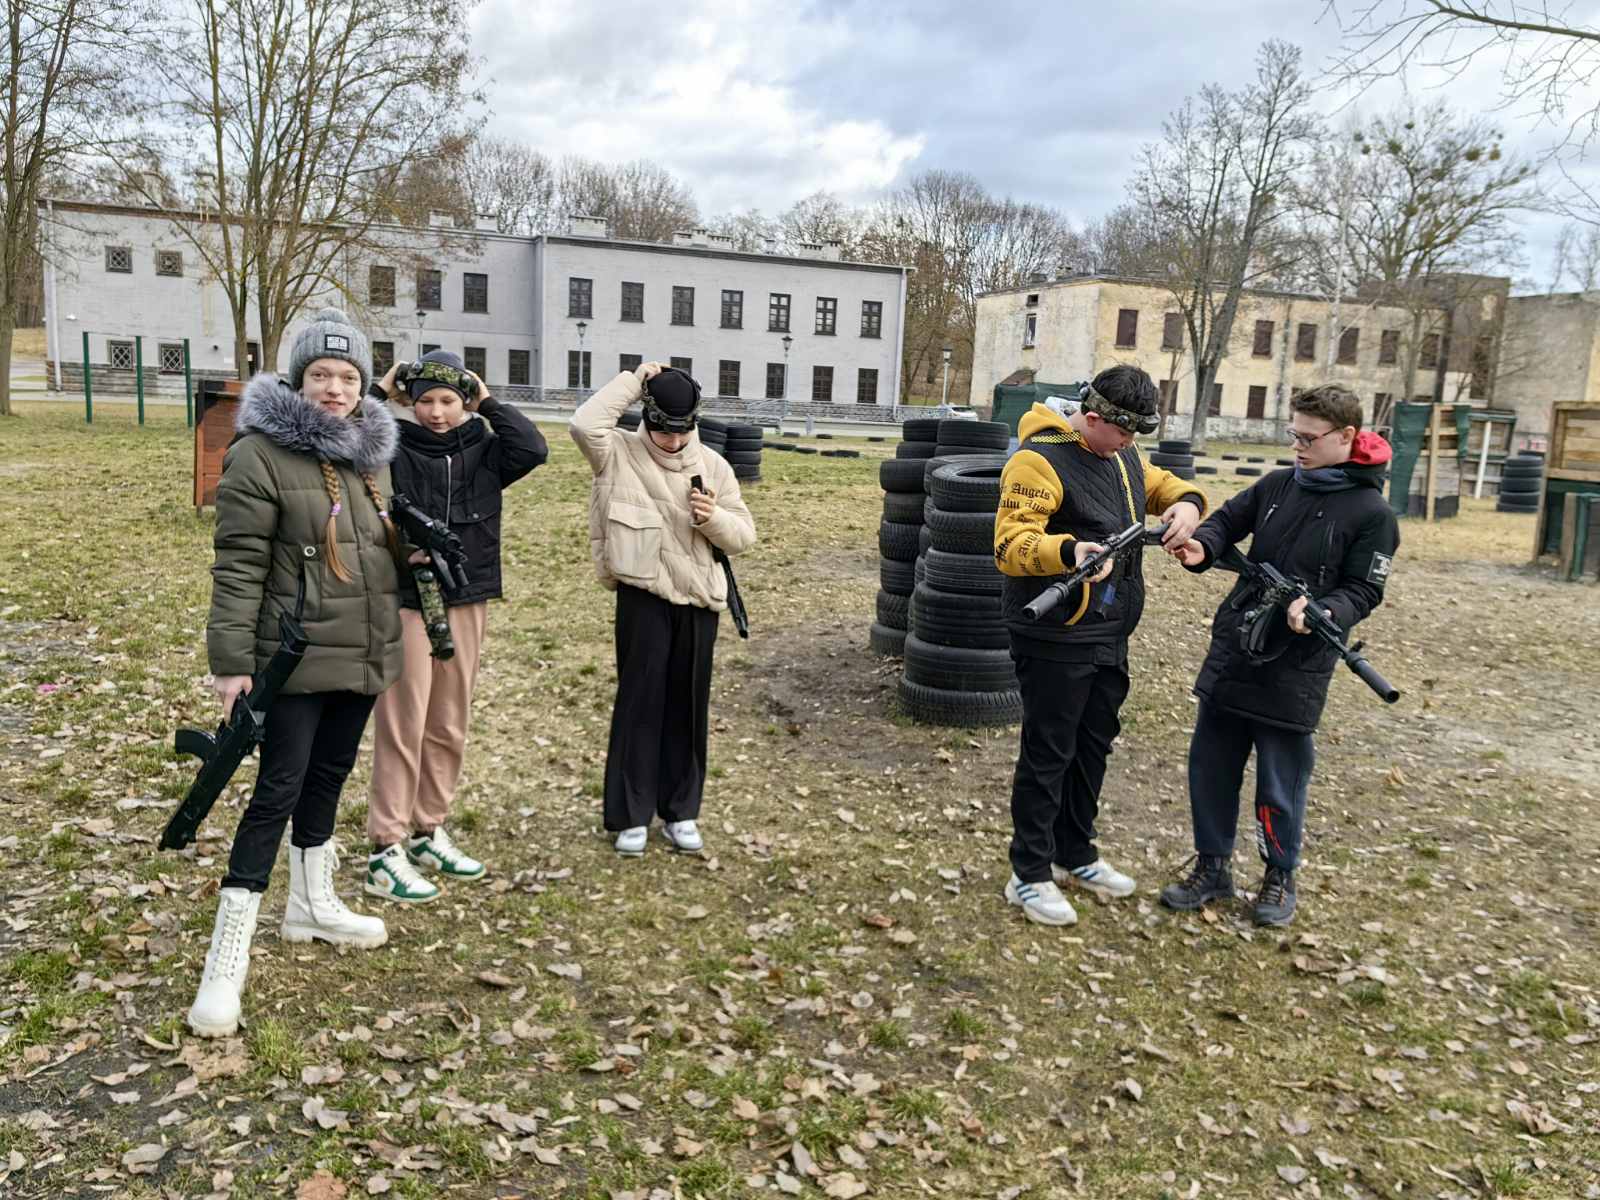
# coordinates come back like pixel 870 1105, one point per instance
pixel 1275 901
pixel 1210 880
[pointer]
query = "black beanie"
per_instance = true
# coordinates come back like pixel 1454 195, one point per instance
pixel 416 387
pixel 674 392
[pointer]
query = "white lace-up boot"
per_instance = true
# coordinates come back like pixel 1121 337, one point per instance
pixel 314 910
pixel 215 1011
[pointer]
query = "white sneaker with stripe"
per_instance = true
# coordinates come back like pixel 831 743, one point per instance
pixel 1041 903
pixel 1099 877
pixel 392 876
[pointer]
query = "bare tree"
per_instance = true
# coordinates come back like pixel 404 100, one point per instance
pixel 63 95
pixel 1218 181
pixel 511 182
pixel 1577 258
pixel 821 217
pixel 1126 241
pixel 639 200
pixel 301 123
pixel 750 230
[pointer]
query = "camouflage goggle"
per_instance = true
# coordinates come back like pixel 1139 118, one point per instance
pixel 657 418
pixel 441 373
pixel 1132 422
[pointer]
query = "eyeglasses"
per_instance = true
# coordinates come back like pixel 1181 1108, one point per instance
pixel 1307 440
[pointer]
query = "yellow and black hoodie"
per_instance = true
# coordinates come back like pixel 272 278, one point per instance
pixel 1055 490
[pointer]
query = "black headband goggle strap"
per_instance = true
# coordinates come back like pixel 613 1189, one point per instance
pixel 1094 402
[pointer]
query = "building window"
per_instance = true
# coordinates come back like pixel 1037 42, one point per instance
pixel 427 348
pixel 1127 328
pixel 1262 346
pixel 1305 343
pixel 1030 330
pixel 686 365
pixel 1349 343
pixel 1033 299
pixel 1214 409
pixel 1389 347
pixel 683 306
pixel 382 358
pixel 169 358
pixel 1257 404
pixel 633 301
pixel 120 355
pixel 867 385
pixel 1172 331
pixel 629 362
pixel 580 297
pixel 578 368
pixel 518 363
pixel 727 378
pixel 1482 353
pixel 474 293
pixel 476 359
pixel 822 385
pixel 776 383
pixel 380 287
pixel 732 314
pixel 872 318
pixel 1430 351
pixel 430 289
pixel 119 259
pixel 778 312
pixel 169 262
pixel 827 315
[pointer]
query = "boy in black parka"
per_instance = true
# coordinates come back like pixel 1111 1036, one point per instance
pixel 1326 523
pixel 453 468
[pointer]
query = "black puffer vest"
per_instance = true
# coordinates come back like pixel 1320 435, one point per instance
pixel 1103 496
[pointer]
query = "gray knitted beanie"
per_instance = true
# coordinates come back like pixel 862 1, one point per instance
pixel 330 335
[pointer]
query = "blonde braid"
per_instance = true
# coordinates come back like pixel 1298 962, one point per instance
pixel 330 535
pixel 383 514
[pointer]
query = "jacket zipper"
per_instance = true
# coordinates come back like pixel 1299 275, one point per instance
pixel 1327 550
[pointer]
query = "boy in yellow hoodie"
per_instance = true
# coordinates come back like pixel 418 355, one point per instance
pixel 1073 481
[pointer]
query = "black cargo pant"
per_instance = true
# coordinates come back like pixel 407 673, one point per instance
pixel 1069 720
pixel 307 751
pixel 656 761
pixel 1217 754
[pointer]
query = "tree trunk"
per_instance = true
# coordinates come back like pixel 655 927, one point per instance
pixel 6 335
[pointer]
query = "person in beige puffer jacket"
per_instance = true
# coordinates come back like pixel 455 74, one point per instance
pixel 651 537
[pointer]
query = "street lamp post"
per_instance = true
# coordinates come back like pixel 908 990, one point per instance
pixel 783 410
pixel 583 376
pixel 945 401
pixel 422 315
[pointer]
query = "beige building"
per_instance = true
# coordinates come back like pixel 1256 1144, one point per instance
pixel 1068 328
pixel 1550 353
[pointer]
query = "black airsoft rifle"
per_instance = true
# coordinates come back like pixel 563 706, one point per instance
pixel 221 753
pixel 741 619
pixel 1134 537
pixel 446 574
pixel 1274 593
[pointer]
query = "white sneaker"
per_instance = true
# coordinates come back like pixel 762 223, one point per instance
pixel 437 852
pixel 1041 903
pixel 684 836
pixel 630 842
pixel 392 876
pixel 1099 877
pixel 314 910
pixel 215 1011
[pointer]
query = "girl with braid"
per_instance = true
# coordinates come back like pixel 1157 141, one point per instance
pixel 302 527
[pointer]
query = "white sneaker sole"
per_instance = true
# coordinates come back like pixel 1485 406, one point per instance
pixel 212 1029
pixel 1099 891
pixel 315 933
pixel 398 899
pixel 679 846
pixel 1039 918
pixel 423 864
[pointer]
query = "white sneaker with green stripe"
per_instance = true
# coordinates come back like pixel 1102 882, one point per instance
pixel 391 875
pixel 436 852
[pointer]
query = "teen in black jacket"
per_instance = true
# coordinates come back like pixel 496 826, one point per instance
pixel 1326 523
pixel 454 468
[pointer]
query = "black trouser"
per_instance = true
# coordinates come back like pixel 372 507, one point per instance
pixel 656 762
pixel 309 746
pixel 1069 720
pixel 1217 753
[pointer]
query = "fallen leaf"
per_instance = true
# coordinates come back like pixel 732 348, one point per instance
pixel 377 1185
pixel 1131 1088
pixel 844 1187
pixel 496 980
pixel 565 970
pixel 321 1186
pixel 803 1162
pixel 1293 1175
pixel 142 1160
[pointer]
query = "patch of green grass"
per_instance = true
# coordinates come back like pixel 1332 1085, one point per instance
pixel 461 1148
pixel 1368 993
pixel 40 970
pixel 1419 881
pixel 964 1026
pixel 276 1046
pixel 1507 1178
pixel 913 1104
pixel 888 1034
pixel 708 1176
pixel 750 1032
pixel 822 1128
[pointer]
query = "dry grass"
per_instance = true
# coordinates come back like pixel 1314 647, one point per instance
pixel 839 974
pixel 28 343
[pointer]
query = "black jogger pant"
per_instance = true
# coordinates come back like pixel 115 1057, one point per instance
pixel 656 761
pixel 1069 720
pixel 309 746
pixel 1217 754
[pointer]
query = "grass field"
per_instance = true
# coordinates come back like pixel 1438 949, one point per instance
pixel 834 1001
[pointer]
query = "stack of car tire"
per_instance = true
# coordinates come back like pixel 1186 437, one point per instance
pixel 1521 483
pixel 1174 456
pixel 739 444
pixel 900 535
pixel 958 667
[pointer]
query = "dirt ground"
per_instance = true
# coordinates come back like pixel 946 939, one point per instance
pixel 834 1000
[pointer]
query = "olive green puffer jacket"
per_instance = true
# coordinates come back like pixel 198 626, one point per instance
pixel 272 508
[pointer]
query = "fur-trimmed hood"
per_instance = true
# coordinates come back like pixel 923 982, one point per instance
pixel 367 440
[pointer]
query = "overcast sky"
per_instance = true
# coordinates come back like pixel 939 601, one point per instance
pixel 756 103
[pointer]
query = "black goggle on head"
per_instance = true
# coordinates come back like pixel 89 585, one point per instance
pixel 1132 422
pixel 658 419
pixel 441 373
